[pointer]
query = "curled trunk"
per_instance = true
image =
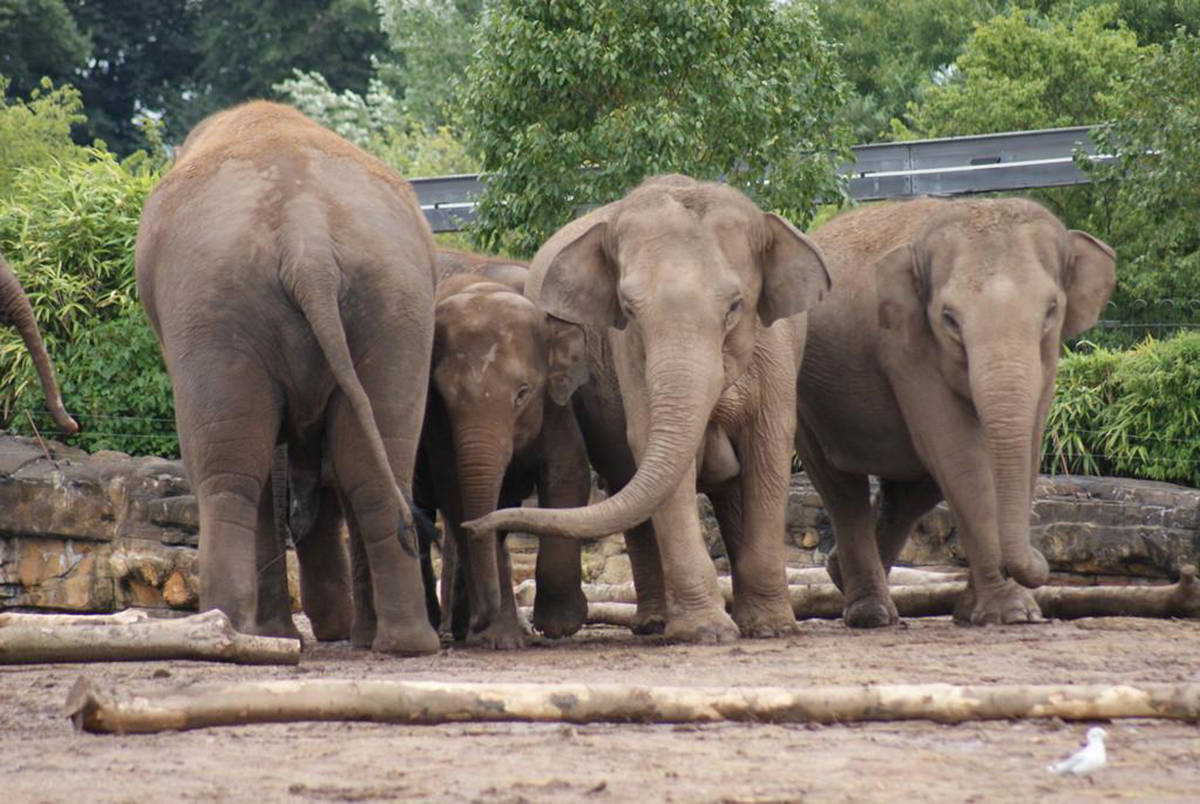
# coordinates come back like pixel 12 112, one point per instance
pixel 682 394
pixel 19 313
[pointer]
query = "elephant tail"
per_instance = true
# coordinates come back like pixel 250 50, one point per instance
pixel 315 288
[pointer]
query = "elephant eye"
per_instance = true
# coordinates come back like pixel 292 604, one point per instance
pixel 1051 314
pixel 731 315
pixel 951 323
pixel 627 311
pixel 521 397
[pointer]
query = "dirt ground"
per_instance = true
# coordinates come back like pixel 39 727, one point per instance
pixel 43 759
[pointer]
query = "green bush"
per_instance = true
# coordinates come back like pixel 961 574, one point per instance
pixel 1129 414
pixel 68 230
pixel 37 131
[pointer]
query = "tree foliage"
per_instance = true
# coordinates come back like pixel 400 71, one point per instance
pixel 68 231
pixel 1021 70
pixel 890 51
pixel 571 105
pixel 39 39
pixel 1152 186
pixel 37 131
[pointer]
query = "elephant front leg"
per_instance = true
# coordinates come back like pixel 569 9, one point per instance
pixel 564 481
pixel 754 541
pixel 695 608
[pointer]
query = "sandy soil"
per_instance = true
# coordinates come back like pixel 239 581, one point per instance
pixel 44 760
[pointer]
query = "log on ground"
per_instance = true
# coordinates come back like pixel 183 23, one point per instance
pixel 95 709
pixel 205 637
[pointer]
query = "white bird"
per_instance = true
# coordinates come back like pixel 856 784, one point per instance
pixel 1087 759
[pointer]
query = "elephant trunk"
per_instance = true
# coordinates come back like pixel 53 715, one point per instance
pixel 1006 397
pixel 682 393
pixel 19 313
pixel 481 460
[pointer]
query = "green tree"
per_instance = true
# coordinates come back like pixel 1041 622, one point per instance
pixel 1155 195
pixel 570 105
pixel 142 54
pixel 68 230
pixel 247 46
pixel 39 39
pixel 891 49
pixel 1021 70
pixel 430 45
pixel 1154 21
pixel 37 132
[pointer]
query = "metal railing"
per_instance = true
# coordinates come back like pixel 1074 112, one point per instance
pixel 1016 160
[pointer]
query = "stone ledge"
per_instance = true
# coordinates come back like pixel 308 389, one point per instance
pixel 99 532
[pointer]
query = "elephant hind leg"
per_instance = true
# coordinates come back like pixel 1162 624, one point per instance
pixel 228 423
pixel 402 623
pixel 898 506
pixel 325 578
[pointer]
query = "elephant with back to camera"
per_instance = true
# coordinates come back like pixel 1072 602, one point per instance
pixel 16 311
pixel 931 365
pixel 289 277
pixel 681 288
pixel 498 426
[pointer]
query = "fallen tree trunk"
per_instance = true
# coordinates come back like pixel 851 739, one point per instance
pixel 824 601
pixel 426 702
pixel 124 617
pixel 206 637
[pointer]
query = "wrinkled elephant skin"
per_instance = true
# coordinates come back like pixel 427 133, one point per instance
pixel 678 287
pixel 495 431
pixel 289 277
pixel 931 365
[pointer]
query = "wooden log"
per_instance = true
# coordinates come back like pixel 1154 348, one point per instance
pixel 899 576
pixel 94 709
pixel 205 637
pixel 124 617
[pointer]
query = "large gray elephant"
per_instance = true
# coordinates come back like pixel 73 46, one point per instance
pixel 498 426
pixel 931 365
pixel 16 311
pixel 289 277
pixel 679 287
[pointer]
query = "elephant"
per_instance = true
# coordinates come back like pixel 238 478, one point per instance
pixel 289 278
pixel 931 365
pixel 498 426
pixel 684 289
pixel 16 311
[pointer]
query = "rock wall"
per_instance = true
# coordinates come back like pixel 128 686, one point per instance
pixel 100 532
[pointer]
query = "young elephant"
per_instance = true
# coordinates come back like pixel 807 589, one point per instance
pixel 289 277
pixel 679 287
pixel 931 365
pixel 16 310
pixel 497 427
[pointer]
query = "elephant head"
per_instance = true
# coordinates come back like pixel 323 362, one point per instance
pixel 987 291
pixel 690 273
pixel 492 374
pixel 16 310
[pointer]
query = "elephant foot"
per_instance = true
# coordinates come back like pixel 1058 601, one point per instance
pixel 1009 604
pixel 281 627
pixel 559 616
pixel 506 634
pixel 765 621
pixel 648 623
pixel 332 629
pixel 707 628
pixel 362 632
pixel 834 569
pixel 415 639
pixel 871 611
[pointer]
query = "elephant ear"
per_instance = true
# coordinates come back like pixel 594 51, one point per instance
pixel 580 283
pixel 1090 277
pixel 568 368
pixel 794 273
pixel 898 288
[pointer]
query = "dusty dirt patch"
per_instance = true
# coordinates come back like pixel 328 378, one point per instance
pixel 44 760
